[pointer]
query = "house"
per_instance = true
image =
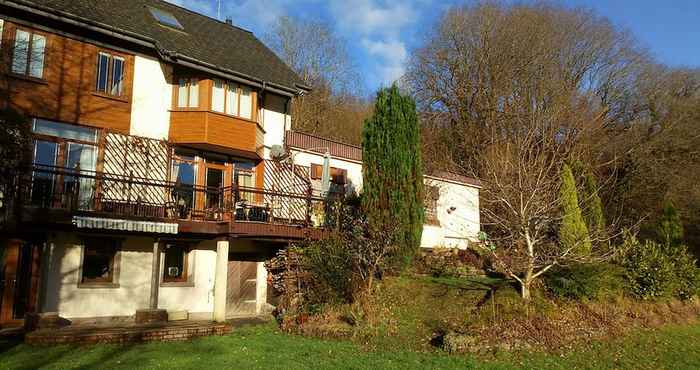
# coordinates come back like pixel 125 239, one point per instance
pixel 451 200
pixel 153 190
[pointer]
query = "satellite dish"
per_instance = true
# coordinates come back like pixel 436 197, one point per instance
pixel 278 153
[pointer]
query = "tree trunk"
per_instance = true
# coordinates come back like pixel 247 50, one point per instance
pixel 525 290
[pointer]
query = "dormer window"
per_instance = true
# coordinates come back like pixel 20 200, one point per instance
pixel 165 18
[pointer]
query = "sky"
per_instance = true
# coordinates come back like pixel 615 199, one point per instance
pixel 380 34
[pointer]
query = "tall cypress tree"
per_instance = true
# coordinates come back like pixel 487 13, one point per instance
pixel 392 175
pixel 573 233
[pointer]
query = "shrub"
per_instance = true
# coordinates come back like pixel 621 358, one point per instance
pixel 450 262
pixel 586 281
pixel 656 270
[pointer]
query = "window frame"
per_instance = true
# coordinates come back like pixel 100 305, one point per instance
pixel 29 53
pixel 115 262
pixel 186 278
pixel 188 87
pixel 238 93
pixel 111 61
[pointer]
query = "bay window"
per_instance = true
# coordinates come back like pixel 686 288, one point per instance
pixel 232 99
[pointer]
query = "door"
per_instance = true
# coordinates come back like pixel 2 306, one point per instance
pixel 19 278
pixel 43 179
pixel 241 288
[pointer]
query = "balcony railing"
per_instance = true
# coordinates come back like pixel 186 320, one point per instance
pixel 127 196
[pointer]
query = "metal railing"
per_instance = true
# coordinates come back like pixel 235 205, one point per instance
pixel 127 196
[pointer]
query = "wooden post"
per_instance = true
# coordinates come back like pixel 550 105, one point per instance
pixel 155 276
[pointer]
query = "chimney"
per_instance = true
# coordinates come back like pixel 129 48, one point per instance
pixel 229 21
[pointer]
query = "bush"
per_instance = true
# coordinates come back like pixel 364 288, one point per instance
pixel 450 262
pixel 329 263
pixel 586 281
pixel 656 270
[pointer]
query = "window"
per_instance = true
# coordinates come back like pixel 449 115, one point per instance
pixel 28 56
pixel 75 146
pixel 430 200
pixel 175 263
pixel 110 74
pixel 338 175
pixel 2 25
pixel 218 98
pixel 100 262
pixel 165 18
pixel 316 171
pixel 184 175
pixel 188 93
pixel 246 104
pixel 244 176
pixel 234 99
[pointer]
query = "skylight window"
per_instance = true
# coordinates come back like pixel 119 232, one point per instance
pixel 165 18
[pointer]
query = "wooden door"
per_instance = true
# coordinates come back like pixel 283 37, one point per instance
pixel 20 280
pixel 241 288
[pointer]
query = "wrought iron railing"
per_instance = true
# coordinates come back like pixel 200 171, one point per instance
pixel 128 196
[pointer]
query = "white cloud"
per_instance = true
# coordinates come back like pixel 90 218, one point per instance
pixel 369 17
pixel 390 57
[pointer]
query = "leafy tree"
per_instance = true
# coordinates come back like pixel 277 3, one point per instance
pixel 573 233
pixel 670 228
pixel 392 172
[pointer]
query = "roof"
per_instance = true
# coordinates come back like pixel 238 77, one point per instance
pixel 337 149
pixel 205 41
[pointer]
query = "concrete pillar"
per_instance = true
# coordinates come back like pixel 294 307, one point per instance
pixel 220 279
pixel 155 277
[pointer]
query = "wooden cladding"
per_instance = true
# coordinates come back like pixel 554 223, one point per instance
pixel 300 140
pixel 204 128
pixel 67 89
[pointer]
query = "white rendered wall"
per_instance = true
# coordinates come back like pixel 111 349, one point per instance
pixel 197 299
pixel 274 121
pixel 458 213
pixel 151 98
pixel 62 294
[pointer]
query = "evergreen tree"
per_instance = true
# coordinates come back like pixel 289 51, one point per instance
pixel 573 233
pixel 589 201
pixel 670 227
pixel 392 195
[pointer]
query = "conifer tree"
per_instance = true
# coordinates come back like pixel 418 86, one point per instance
pixel 392 195
pixel 670 227
pixel 573 233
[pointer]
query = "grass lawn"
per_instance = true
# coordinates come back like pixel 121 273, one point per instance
pixel 264 347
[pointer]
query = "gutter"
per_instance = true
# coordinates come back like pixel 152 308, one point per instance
pixel 164 54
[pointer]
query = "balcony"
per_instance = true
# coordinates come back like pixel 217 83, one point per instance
pixel 219 132
pixel 55 195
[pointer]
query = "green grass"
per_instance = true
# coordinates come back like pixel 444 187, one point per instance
pixel 263 347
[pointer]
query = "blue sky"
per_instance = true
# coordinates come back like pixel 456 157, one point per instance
pixel 380 34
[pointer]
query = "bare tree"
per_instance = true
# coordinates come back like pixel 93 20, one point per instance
pixel 519 90
pixel 334 107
